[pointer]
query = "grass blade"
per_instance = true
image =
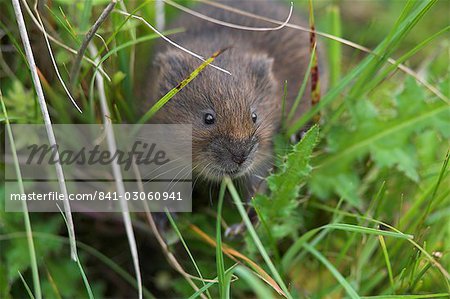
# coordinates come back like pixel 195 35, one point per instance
pixel 200 291
pixel 334 48
pixel 254 235
pixel 295 248
pixel 388 262
pixel 409 238
pixel 302 87
pixel 26 216
pixel 238 256
pixel 86 248
pixel 348 288
pixel 219 256
pixel 260 289
pixel 191 257
pixel 25 284
pixel 365 70
pixel 80 267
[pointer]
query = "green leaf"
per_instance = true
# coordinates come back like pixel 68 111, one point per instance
pixel 385 138
pixel 285 187
pixel 286 183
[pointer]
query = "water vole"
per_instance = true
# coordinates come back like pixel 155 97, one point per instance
pixel 233 117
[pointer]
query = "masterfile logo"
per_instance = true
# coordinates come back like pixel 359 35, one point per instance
pixel 155 165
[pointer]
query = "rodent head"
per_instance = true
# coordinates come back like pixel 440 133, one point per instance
pixel 233 117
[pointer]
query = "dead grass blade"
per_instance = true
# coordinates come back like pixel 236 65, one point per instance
pixel 112 146
pixel 47 122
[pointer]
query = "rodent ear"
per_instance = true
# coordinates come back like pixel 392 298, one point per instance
pixel 171 66
pixel 169 59
pixel 158 61
pixel 262 66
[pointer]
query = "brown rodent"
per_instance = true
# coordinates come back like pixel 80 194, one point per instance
pixel 233 117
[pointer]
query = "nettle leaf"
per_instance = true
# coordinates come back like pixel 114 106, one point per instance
pixel 285 186
pixel 387 140
pixel 286 183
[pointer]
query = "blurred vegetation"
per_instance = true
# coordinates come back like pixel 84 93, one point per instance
pixel 379 160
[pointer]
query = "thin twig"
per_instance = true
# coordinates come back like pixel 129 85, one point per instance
pixel 112 146
pixel 231 25
pixel 48 123
pixel 170 41
pixel 87 39
pixel 392 61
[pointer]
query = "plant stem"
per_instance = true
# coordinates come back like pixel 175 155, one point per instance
pixel 47 121
pixel 87 39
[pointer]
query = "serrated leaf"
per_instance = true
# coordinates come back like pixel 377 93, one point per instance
pixel 286 183
pixel 279 207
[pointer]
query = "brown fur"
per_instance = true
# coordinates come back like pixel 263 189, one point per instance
pixel 260 63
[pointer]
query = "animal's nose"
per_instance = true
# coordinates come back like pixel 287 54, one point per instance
pixel 239 159
pixel 239 150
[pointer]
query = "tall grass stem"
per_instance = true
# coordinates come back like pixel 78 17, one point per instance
pixel 47 121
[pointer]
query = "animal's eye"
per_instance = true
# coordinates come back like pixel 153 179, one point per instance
pixel 254 117
pixel 209 119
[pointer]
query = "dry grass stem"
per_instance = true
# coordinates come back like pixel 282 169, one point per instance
pixel 170 41
pixel 112 146
pixel 231 25
pixel 47 122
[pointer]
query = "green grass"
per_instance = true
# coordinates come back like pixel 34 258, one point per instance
pixel 360 208
pixel 219 254
pixel 26 216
